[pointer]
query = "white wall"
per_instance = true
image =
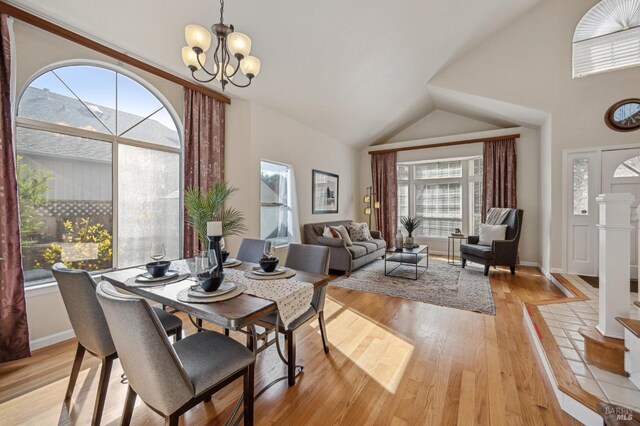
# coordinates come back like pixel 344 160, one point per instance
pixel 528 63
pixel 528 153
pixel 440 123
pixel 253 132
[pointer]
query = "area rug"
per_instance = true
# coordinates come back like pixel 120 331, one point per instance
pixel 441 284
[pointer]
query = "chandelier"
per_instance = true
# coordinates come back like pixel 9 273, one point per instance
pixel 231 44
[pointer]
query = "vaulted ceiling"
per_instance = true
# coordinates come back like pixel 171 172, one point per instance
pixel 355 70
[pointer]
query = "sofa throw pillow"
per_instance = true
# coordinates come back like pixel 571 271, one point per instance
pixel 342 232
pixel 488 233
pixel 359 232
pixel 327 232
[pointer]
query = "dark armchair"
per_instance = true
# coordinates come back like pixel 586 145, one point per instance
pixel 500 252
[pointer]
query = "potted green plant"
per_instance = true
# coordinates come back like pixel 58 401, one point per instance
pixel 411 224
pixel 203 207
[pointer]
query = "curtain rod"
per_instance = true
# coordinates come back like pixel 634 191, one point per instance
pixel 438 145
pixel 55 29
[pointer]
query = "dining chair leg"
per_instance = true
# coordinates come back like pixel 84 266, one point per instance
pixel 323 332
pixel 291 357
pixel 250 342
pixel 178 334
pixel 248 395
pixel 129 404
pixel 226 332
pixel 199 323
pixel 103 385
pixel 172 420
pixel 77 363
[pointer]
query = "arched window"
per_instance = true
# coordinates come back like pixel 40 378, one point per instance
pixel 607 38
pixel 99 171
pixel 628 168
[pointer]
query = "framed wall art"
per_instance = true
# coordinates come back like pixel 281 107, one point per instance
pixel 325 187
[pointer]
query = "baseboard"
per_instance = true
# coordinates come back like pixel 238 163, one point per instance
pixel 532 264
pixel 52 339
pixel 568 404
pixel 560 286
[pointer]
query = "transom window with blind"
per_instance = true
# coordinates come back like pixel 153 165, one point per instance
pixel 607 38
pixel 445 194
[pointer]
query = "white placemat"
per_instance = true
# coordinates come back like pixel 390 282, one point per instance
pixel 131 282
pixel 293 298
pixel 184 295
pixel 288 273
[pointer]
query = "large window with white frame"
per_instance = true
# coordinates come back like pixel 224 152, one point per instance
pixel 99 171
pixel 445 194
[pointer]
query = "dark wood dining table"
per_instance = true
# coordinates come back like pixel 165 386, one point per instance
pixel 238 313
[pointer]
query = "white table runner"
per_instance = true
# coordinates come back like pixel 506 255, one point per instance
pixel 293 298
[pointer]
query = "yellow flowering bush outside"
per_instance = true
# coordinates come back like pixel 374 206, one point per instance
pixel 85 246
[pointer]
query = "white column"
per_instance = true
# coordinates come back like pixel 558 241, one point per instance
pixel 615 261
pixel 636 219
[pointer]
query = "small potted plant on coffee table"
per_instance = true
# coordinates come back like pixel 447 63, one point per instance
pixel 411 224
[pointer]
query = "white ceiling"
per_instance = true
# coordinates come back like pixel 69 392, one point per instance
pixel 355 70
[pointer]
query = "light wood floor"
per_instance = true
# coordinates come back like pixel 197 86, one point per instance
pixel 392 362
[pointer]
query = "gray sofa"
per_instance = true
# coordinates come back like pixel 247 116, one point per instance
pixel 345 258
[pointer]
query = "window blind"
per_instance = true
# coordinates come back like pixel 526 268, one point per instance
pixel 606 53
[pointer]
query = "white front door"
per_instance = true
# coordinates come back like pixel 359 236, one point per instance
pixel 621 174
pixel 583 179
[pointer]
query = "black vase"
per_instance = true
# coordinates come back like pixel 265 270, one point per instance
pixel 215 251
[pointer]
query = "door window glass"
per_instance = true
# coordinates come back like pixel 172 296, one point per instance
pixel 581 186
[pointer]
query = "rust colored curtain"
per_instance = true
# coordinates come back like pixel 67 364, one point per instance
pixel 385 187
pixel 499 175
pixel 203 150
pixel 14 332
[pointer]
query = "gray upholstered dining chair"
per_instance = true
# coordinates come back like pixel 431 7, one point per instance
pixel 78 292
pixel 171 379
pixel 250 250
pixel 308 258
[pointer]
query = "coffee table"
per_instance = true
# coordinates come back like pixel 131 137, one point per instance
pixel 407 257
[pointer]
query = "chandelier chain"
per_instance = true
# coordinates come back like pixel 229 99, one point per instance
pixel 222 11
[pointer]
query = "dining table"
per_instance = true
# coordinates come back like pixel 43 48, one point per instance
pixel 240 313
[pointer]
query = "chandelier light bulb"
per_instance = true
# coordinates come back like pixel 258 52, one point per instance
pixel 197 36
pixel 250 66
pixel 239 44
pixel 229 70
pixel 190 59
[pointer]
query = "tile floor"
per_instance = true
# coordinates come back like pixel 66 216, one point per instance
pixel 564 320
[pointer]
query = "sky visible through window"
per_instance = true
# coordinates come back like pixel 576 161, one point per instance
pixel 95 85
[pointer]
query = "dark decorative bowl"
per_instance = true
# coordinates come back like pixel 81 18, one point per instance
pixel 269 264
pixel 210 281
pixel 225 256
pixel 158 269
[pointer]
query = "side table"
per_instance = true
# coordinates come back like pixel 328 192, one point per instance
pixel 451 249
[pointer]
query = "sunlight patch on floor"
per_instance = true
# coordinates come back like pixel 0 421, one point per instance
pixel 382 355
